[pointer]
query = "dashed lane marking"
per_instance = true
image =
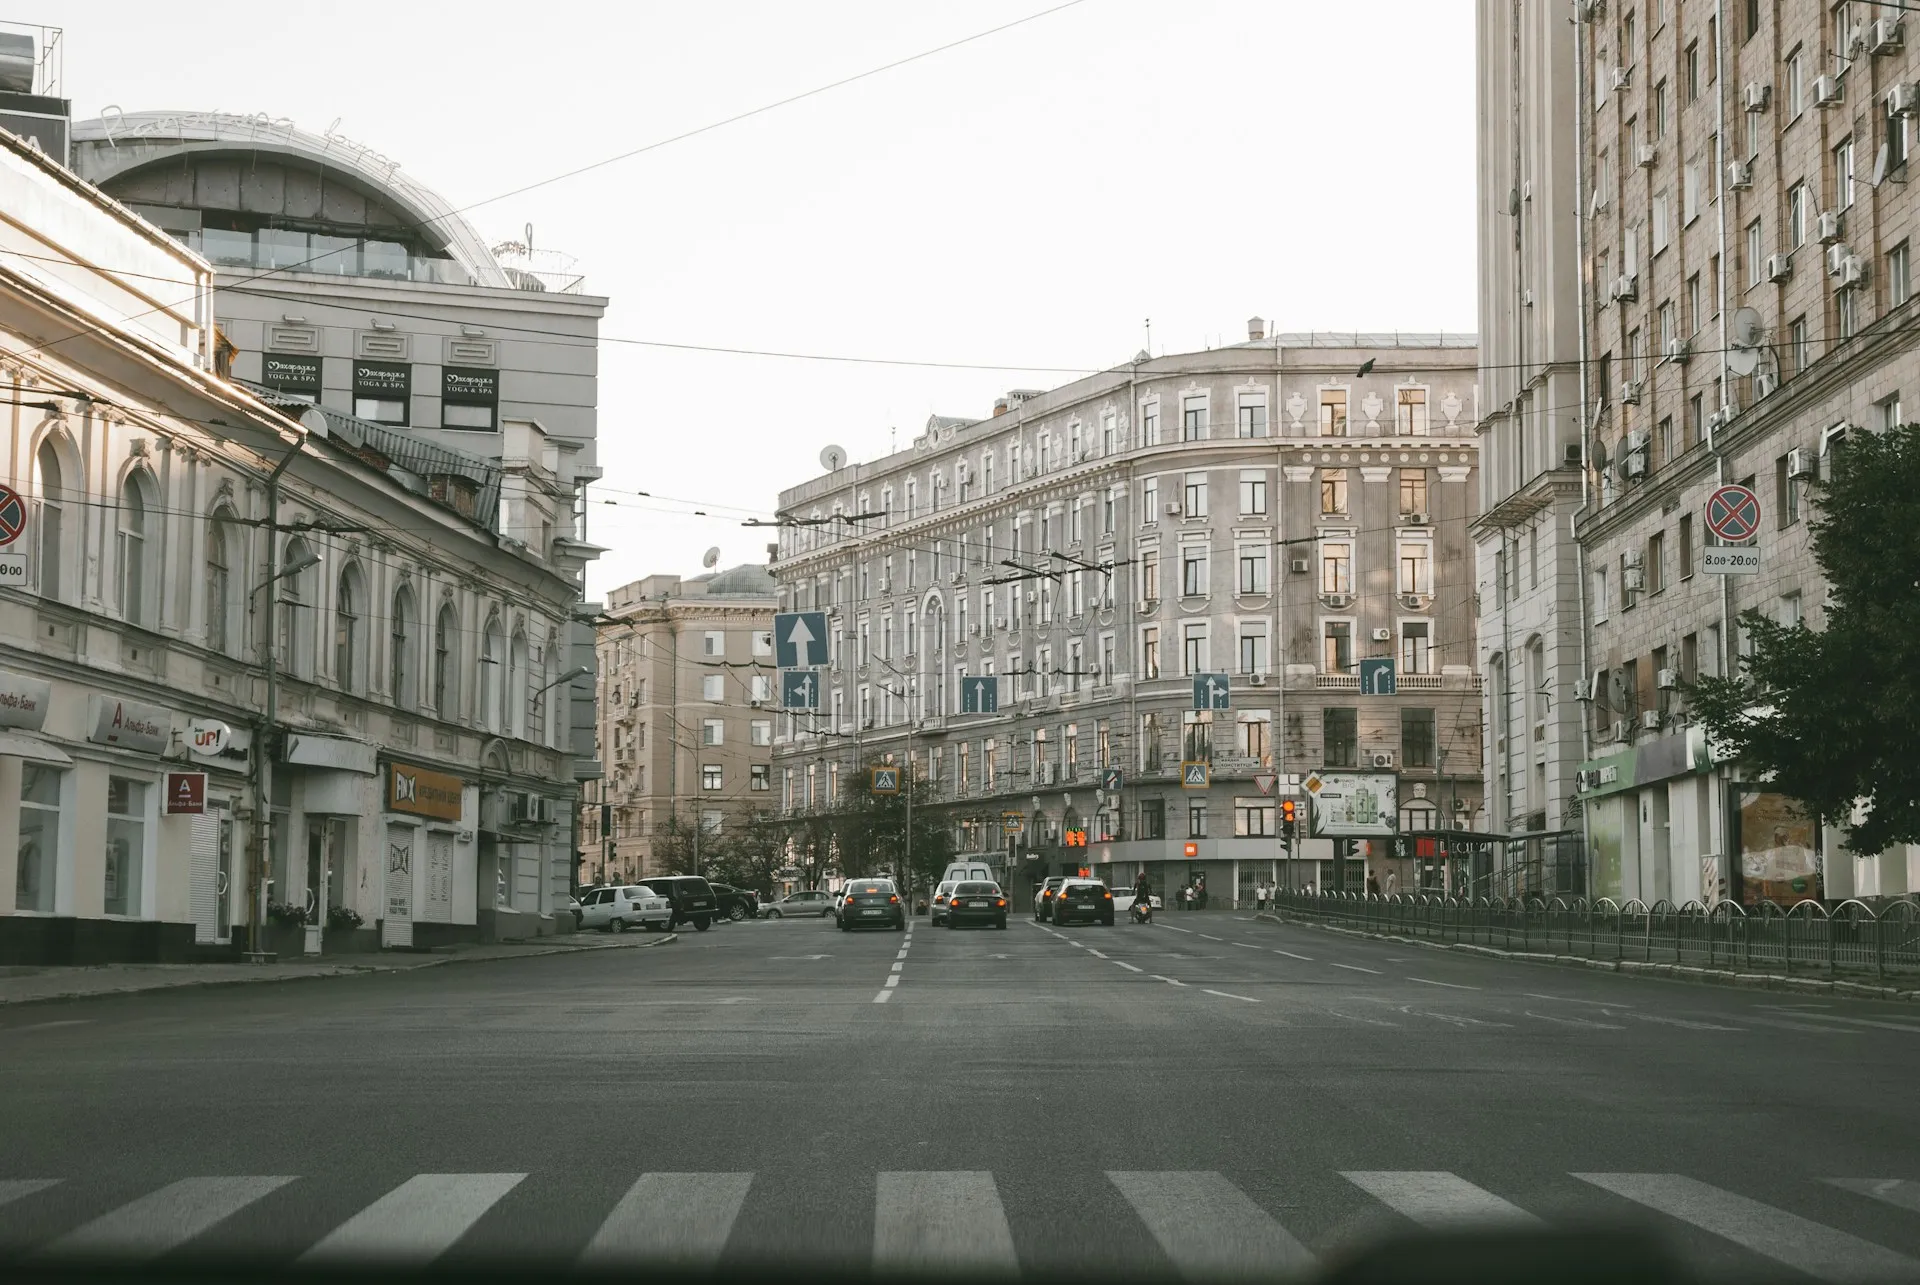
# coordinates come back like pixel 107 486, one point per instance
pixel 1428 981
pixel 1168 980
pixel 1244 999
pixel 1129 967
pixel 1355 968
pixel 1305 959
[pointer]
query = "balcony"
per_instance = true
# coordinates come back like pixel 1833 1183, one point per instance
pixel 335 256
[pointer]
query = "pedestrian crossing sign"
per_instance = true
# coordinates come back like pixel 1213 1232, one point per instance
pixel 886 780
pixel 1195 776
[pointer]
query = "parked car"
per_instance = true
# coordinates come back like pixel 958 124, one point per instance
pixel 816 902
pixel 1043 899
pixel 937 912
pixel 736 903
pixel 1084 899
pixel 977 902
pixel 872 903
pixel 692 898
pixel 632 906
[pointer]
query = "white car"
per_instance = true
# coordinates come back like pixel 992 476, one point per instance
pixel 1123 901
pixel 618 909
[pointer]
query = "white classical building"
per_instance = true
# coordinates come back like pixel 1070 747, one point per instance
pixel 217 612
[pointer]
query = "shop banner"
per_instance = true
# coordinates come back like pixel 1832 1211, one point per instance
pixel 424 793
pixel 1779 850
pixel 290 373
pixel 186 793
pixel 23 700
pixel 129 726
pixel 1354 804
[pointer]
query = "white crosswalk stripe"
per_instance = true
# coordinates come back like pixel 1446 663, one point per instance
pixel 671 1220
pixel 417 1221
pixel 1208 1227
pixel 948 1222
pixel 12 1189
pixel 1900 1192
pixel 1436 1198
pixel 162 1220
pixel 1786 1238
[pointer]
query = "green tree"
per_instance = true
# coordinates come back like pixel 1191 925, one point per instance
pixel 869 831
pixel 1833 715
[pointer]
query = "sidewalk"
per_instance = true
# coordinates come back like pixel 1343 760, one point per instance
pixel 32 984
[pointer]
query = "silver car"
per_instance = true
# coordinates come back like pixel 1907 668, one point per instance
pixel 808 901
pixel 618 909
pixel 942 896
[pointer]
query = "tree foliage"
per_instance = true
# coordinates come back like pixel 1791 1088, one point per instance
pixel 1834 715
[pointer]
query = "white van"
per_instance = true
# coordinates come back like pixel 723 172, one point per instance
pixel 969 872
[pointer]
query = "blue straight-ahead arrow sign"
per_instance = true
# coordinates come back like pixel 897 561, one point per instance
pixel 980 695
pixel 1211 691
pixel 800 639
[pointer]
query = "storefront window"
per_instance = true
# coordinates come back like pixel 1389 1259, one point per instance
pixel 126 845
pixel 39 838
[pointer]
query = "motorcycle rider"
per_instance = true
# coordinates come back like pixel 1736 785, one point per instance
pixel 1142 898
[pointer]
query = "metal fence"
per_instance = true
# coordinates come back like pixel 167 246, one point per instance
pixel 1807 938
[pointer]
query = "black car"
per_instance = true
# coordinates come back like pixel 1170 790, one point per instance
pixel 693 898
pixel 871 903
pixel 736 903
pixel 1086 899
pixel 977 903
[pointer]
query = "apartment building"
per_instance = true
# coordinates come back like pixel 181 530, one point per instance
pixel 687 699
pixel 1748 225
pixel 1277 512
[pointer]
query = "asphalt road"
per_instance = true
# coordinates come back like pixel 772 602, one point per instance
pixel 1208 1093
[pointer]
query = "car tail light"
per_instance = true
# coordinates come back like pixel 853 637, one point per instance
pixel 1001 902
pixel 892 899
pixel 849 899
pixel 1109 896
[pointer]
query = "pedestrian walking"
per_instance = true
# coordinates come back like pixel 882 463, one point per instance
pixel 1260 896
pixel 1373 885
pixel 1200 892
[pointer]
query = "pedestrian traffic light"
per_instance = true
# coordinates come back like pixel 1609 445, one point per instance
pixel 1289 819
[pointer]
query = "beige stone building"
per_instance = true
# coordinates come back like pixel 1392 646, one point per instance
pixel 687 699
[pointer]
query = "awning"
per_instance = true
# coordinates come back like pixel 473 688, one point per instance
pixel 22 746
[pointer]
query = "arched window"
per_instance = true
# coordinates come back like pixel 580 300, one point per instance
pixel 446 682
pixel 347 601
pixel 399 656
pixel 492 647
pixel 293 594
pixel 514 695
pixel 53 508
pixel 131 547
pixel 220 546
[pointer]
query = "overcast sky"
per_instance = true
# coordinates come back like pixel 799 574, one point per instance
pixel 1030 198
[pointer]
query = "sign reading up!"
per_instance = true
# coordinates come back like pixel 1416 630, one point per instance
pixel 423 793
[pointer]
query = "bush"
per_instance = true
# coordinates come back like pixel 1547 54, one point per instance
pixel 284 912
pixel 344 917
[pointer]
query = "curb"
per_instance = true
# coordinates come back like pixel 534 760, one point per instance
pixel 1678 972
pixel 325 973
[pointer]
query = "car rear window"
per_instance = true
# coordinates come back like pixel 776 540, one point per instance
pixel 976 890
pixel 632 893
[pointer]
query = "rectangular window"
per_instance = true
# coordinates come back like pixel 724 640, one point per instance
pixel 713 643
pixel 1416 647
pixel 1786 493
pixel 1663 440
pixel 760 776
pixel 711 776
pixel 1411 412
pixel 1337 647
pixel 1340 730
pixel 713 687
pixel 1899 274
pixel 1843 175
pixel 1252 818
pixel 36 875
pixel 1253 647
pixel 1333 490
pixel 1194 503
pixel 1689 194
pixel 1150 423
pixel 1693 72
pixel 1109 506
pixel 1333 412
pixel 1253 415
pixel 1193 654
pixel 1149 501
pixel 1336 568
pixel 1797 216
pixel 1684 545
pixel 1150 652
pixel 1845 318
pixel 1656 562
pixel 1799 348
pixel 1416 566
pixel 1599 593
pixel 760 732
pixel 1417 740
pixel 1193 570
pixel 1193 419
pixel 1150 576
pixel 382 391
pixel 1153 818
pixel 713 731
pixel 1253 493
pixel 1796 85
pixel 1693 320
pixel 1413 490
pixel 124 886
pixel 1196 818
pixel 1690 427
pixel 1659 221
pixel 1254 733
pixel 1660 110
pixel 1756 255
pixel 1253 568
pixel 1896 135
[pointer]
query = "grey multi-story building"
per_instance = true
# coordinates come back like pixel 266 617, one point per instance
pixel 1277 511
pixel 1742 225
pixel 686 719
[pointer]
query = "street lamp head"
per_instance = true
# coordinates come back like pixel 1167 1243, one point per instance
pixel 301 563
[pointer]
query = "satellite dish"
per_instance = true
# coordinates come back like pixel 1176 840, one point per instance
pixel 1743 342
pixel 711 558
pixel 832 458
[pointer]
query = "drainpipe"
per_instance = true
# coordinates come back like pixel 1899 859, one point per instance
pixel 1580 108
pixel 264 747
pixel 1720 199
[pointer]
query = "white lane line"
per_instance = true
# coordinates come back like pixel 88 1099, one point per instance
pixel 1168 980
pixel 1808 1027
pixel 1575 1021
pixel 1428 981
pixel 1355 968
pixel 12 1189
pixel 671 1220
pixel 162 1220
pixel 1211 937
pixel 941 1222
pixel 1435 1198
pixel 883 997
pixel 897 966
pixel 1902 1193
pixel 893 981
pixel 416 1222
pixel 48 1026
pixel 901 955
pixel 1129 967
pixel 1096 954
pixel 1354 1017
pixel 1568 999
pixel 1862 1021
pixel 1246 946
pixel 1179 930
pixel 1208 1226
pixel 1244 999
pixel 1305 959
pixel 1800 1243
pixel 1683 1023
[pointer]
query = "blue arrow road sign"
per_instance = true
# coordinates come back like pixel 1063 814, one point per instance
pixel 800 639
pixel 799 689
pixel 1377 676
pixel 1210 691
pixel 980 695
pixel 1111 778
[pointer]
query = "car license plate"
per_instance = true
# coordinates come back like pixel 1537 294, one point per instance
pixel 873 912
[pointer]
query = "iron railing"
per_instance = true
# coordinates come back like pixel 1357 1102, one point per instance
pixel 1807 938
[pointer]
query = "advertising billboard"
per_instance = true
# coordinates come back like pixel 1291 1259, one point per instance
pixel 1779 850
pixel 1354 804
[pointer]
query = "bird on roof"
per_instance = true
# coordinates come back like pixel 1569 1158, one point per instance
pixel 1365 367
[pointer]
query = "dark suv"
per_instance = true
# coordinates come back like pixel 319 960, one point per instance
pixel 693 898
pixel 737 903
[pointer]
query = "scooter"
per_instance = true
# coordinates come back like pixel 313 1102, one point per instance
pixel 1142 911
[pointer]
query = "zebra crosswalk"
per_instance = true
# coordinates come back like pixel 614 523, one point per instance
pixel 1203 1222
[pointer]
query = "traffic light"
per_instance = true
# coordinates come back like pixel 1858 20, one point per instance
pixel 1289 819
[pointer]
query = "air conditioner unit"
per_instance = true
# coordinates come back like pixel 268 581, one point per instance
pixel 1826 91
pixel 1300 566
pixel 1620 726
pixel 520 807
pixel 1173 510
pixel 1383 634
pixel 886 586
pixel 1633 463
pixel 1256 680
pixel 1630 392
pixel 973 629
pixel 1827 226
pixel 1853 272
pixel 1779 267
pixel 1903 100
pixel 1884 36
pixel 1416 519
pixel 1836 259
pixel 1383 758
pixel 1570 457
pixel 1650 719
pixel 1339 601
pixel 1764 384
pixel 999 622
pixel 547 811
pixel 1633 579
pixel 1626 286
pixel 1646 156
pixel 1621 77
pixel 958 577
pixel 755 704
pixel 1756 97
pixel 1667 679
pixel 1411 601
pixel 1678 350
pixel 1802 464
pixel 1739 175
